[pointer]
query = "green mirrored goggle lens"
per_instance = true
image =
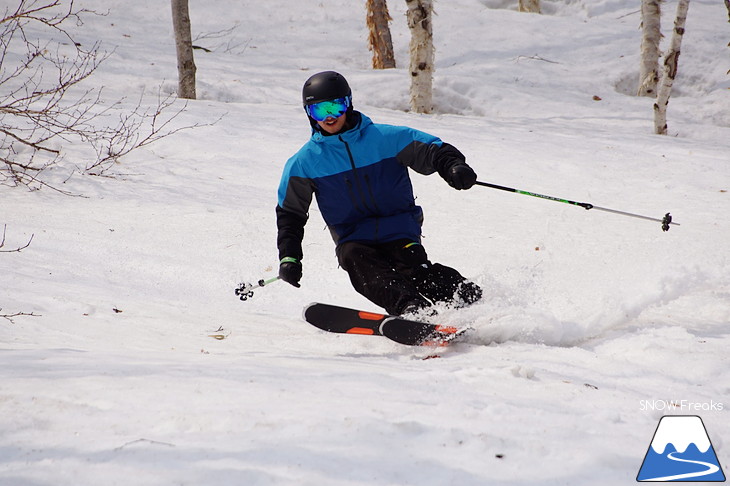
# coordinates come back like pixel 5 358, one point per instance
pixel 325 109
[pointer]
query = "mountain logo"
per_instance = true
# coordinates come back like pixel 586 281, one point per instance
pixel 680 451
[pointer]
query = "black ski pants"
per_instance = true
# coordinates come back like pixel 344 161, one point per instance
pixel 398 274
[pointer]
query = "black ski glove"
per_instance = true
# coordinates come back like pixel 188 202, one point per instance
pixel 461 176
pixel 290 271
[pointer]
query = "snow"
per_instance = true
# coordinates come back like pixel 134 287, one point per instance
pixel 588 316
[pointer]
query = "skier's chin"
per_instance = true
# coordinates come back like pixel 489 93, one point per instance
pixel 332 125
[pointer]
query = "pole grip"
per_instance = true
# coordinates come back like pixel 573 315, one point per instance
pixel 495 186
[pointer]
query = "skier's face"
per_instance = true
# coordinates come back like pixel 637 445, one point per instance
pixel 333 125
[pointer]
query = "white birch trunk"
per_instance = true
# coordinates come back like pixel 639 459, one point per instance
pixel 184 45
pixel 531 6
pixel 420 13
pixel 381 43
pixel 651 35
pixel 671 60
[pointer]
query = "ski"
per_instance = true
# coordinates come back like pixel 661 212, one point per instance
pixel 332 318
pixel 417 333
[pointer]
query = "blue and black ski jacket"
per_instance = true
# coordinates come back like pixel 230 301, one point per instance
pixel 360 179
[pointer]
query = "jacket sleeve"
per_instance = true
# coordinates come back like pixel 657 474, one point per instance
pixel 427 157
pixel 292 213
pixel 290 233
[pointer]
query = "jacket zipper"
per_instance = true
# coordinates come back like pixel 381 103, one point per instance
pixel 363 195
pixel 358 182
pixel 370 191
pixel 353 198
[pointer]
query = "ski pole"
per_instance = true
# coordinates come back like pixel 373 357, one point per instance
pixel 665 221
pixel 244 291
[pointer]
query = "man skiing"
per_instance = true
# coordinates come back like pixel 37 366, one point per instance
pixel 358 171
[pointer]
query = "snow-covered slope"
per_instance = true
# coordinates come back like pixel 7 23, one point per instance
pixel 587 317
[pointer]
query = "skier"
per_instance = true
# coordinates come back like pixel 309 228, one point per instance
pixel 358 170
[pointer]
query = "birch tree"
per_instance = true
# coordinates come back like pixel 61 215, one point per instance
pixel 530 6
pixel 420 14
pixel 184 46
pixel 651 36
pixel 380 41
pixel 671 60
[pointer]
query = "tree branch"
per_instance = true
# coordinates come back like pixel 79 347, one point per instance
pixel 37 112
pixel 9 317
pixel 19 249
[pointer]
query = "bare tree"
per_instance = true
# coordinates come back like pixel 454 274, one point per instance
pixel 43 108
pixel 530 6
pixel 184 45
pixel 420 14
pixel 34 79
pixel 379 40
pixel 671 61
pixel 650 53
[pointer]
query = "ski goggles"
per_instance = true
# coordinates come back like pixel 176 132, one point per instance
pixel 325 109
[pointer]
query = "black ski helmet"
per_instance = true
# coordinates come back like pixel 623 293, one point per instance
pixel 325 86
